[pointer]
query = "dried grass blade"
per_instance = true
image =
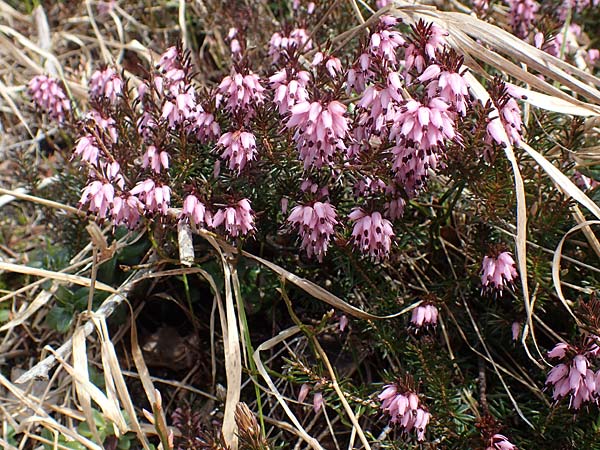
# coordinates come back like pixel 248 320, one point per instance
pixel 560 179
pixel 521 239
pixel 108 408
pixel 59 276
pixel 587 231
pixel 318 292
pixel 282 336
pixel 111 363
pixel 340 393
pixel 15 109
pixel 61 429
pixel 40 300
pixel 40 370
pixel 160 422
pixel 42 201
pixel 80 366
pixel 233 358
pixel 556 264
pixel 552 103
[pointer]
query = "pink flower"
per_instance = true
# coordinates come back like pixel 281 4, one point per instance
pixel 49 97
pixel 515 330
pixel 318 401
pixel 289 89
pixel 592 56
pixel 180 104
pixel 500 442
pixel 394 208
pixel 104 123
pixel 195 210
pixel 106 7
pixel 126 210
pixel 522 16
pixel 238 219
pixel 584 182
pixel 332 64
pixel 319 131
pixel 242 93
pixel 511 118
pixel 156 197
pixel 427 40
pixel 559 351
pixel 381 105
pixel 424 125
pixel 100 195
pixel 426 314
pixel 573 378
pixel 239 147
pixel 146 124
pixel 204 125
pixel 156 159
pixel 87 149
pixel 372 234
pixel 169 59
pixel 315 225
pixel 405 409
pixel 411 166
pixel 304 390
pixel 384 43
pixel 498 272
pixel 296 40
pixel 449 85
pixel 106 83
pixel 343 322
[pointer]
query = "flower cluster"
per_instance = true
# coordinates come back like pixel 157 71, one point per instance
pixel 106 83
pixel 500 442
pixel 574 376
pixel 50 97
pixel 522 16
pixel 372 234
pixel 498 271
pixel 405 409
pixel 315 224
pixel 424 315
pixel 319 130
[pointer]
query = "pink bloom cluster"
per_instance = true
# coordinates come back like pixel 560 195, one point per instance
pixel 155 196
pixel 239 147
pixel 106 83
pixel 156 159
pixel 426 314
pixel 237 219
pixel 372 234
pixel 426 125
pixel 405 409
pixel 319 130
pixel 498 272
pixel 195 210
pixel 522 16
pixel 500 442
pixel 242 93
pixel 315 224
pixel 49 97
pixel 423 49
pixel 318 400
pixel 573 376
pixel 289 88
pixel 288 43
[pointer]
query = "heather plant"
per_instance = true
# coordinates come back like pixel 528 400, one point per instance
pixel 420 171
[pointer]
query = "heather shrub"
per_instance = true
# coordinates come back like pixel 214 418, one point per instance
pixel 389 207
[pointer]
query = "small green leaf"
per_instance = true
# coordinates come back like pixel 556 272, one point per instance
pixel 59 318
